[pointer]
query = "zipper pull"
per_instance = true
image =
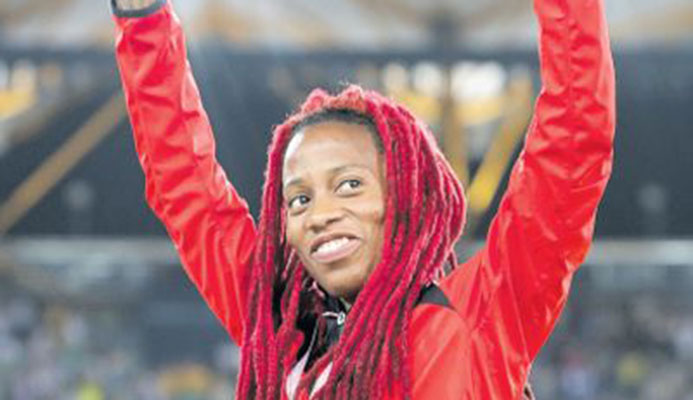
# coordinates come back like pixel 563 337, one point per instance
pixel 341 317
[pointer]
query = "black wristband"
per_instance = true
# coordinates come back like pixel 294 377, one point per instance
pixel 143 12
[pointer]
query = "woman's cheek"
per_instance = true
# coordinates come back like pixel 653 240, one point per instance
pixel 293 236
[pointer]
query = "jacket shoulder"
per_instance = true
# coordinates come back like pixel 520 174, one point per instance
pixel 439 356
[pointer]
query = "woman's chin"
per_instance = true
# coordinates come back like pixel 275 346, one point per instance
pixel 345 287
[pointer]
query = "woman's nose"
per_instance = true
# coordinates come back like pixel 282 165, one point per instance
pixel 324 211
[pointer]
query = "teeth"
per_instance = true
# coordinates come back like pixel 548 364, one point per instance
pixel 332 245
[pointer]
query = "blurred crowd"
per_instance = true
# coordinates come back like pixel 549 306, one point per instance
pixel 606 347
pixel 68 353
pixel 636 348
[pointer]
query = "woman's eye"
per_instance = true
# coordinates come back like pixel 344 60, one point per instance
pixel 348 186
pixel 298 201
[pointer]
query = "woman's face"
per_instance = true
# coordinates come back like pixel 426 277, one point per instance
pixel 334 191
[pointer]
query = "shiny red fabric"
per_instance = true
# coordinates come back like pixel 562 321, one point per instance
pixel 505 300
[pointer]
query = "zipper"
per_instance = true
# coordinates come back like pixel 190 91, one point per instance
pixel 340 316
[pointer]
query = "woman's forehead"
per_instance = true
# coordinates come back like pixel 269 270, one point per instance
pixel 330 145
pixel 334 136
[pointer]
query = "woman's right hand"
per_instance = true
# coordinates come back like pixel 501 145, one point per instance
pixel 133 4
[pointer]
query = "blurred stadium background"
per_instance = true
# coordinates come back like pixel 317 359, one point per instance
pixel 93 302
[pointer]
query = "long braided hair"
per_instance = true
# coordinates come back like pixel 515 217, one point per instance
pixel 425 212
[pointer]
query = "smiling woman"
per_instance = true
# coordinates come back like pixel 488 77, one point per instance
pixel 334 187
pixel 387 211
pixel 340 292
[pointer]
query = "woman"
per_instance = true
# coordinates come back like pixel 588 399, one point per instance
pixel 340 291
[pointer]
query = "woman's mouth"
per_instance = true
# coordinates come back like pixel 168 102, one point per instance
pixel 335 250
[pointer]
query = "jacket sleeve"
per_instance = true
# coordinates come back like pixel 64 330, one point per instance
pixel 512 292
pixel 208 222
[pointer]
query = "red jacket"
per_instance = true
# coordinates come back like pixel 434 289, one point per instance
pixel 505 300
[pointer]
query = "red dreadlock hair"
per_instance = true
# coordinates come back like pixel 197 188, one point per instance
pixel 425 211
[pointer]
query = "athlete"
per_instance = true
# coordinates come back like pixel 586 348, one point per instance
pixel 339 291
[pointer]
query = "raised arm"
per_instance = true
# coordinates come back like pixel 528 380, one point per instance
pixel 185 186
pixel 512 292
